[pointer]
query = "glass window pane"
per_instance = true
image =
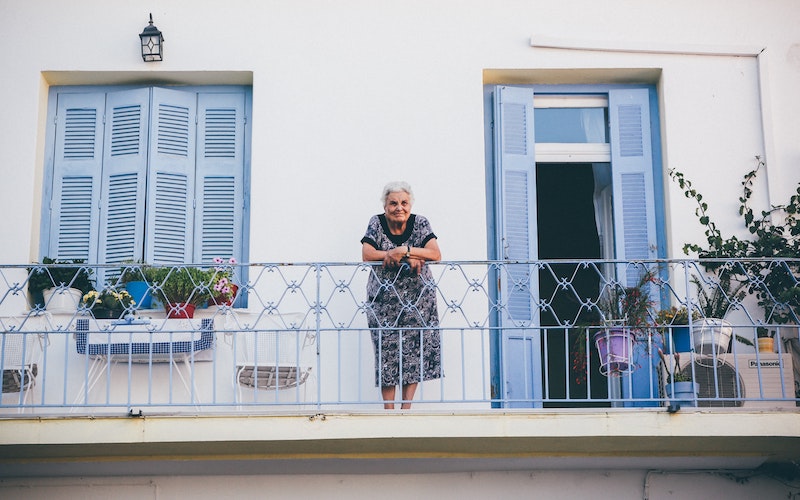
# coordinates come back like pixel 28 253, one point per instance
pixel 572 125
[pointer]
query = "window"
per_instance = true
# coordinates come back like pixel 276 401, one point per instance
pixel 146 174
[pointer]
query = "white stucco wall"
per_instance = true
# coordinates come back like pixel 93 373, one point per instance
pixel 351 95
pixel 622 485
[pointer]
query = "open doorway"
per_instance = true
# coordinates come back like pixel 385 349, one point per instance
pixel 570 223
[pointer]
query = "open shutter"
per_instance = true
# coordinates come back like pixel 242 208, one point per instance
pixel 632 177
pixel 170 180
pixel 77 165
pixel 220 177
pixel 519 284
pixel 124 171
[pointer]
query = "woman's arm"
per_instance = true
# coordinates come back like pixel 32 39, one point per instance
pixel 429 252
pixel 391 258
pixel 418 256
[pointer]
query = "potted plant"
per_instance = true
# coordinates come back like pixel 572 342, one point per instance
pixel 137 277
pixel 674 325
pixel 108 304
pixel 712 333
pixel 181 289
pixel 771 271
pixel 680 389
pixel 223 288
pixel 59 285
pixel 766 339
pixel 622 321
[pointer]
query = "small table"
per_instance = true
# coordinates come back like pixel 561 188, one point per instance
pixel 142 341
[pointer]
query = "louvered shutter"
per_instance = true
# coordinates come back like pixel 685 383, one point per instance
pixel 220 176
pixel 77 164
pixel 124 174
pixel 516 177
pixel 170 179
pixel 632 177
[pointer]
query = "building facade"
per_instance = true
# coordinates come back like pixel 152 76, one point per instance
pixel 530 131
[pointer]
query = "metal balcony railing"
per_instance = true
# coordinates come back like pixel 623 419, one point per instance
pixel 295 337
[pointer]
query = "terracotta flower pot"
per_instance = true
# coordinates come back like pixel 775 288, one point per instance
pixel 180 310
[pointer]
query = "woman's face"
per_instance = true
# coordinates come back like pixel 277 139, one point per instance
pixel 397 207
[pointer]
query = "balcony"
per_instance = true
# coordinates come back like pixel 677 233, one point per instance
pixel 523 344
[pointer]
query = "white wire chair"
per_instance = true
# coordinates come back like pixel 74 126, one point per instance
pixel 22 345
pixel 271 352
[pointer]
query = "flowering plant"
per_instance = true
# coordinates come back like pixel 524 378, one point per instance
pixel 627 307
pixel 222 285
pixel 108 299
pixel 675 316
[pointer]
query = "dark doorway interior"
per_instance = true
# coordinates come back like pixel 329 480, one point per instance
pixel 567 229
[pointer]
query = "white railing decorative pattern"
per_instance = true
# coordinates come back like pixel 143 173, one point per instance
pixel 294 337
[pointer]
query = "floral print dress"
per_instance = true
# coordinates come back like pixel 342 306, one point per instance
pixel 401 309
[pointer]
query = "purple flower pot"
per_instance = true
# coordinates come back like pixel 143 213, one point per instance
pixel 614 347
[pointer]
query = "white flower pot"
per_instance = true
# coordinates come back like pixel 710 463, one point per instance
pixel 62 300
pixel 711 337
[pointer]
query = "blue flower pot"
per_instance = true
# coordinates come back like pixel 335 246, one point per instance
pixel 681 340
pixel 683 393
pixel 140 291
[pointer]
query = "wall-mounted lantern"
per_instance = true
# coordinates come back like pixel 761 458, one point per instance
pixel 152 43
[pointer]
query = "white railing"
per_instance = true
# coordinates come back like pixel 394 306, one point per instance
pixel 296 338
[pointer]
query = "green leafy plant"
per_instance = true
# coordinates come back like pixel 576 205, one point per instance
pixel 135 271
pixel 54 273
pixel 714 299
pixel 174 285
pixel 774 273
pixel 674 374
pixel 764 333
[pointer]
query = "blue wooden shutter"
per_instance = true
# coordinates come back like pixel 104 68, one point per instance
pixel 516 177
pixel 220 176
pixel 77 164
pixel 632 177
pixel 124 172
pixel 170 179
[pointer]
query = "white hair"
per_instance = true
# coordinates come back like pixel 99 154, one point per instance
pixel 396 187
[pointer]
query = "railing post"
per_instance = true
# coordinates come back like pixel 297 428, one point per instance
pixel 317 326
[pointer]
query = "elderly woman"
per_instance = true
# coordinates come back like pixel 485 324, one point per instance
pixel 401 296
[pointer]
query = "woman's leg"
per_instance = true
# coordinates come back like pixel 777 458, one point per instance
pixel 387 392
pixel 408 395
